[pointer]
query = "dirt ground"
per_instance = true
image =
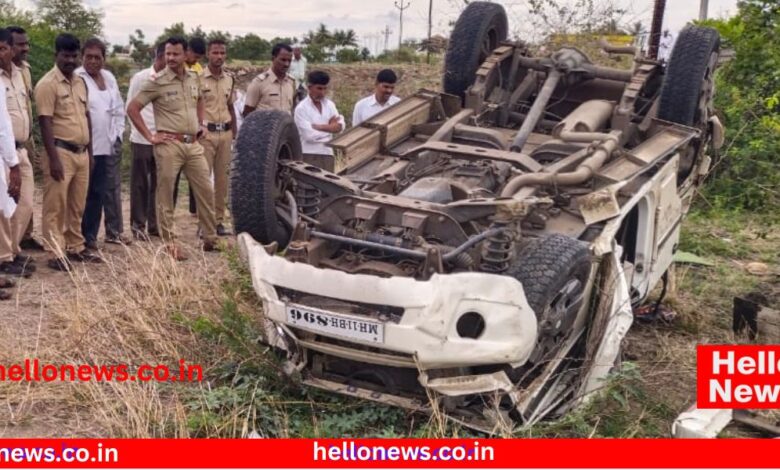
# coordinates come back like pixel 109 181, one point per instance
pixel 30 324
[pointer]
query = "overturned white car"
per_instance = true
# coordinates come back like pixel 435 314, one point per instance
pixel 481 248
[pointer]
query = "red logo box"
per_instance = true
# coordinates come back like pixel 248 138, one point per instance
pixel 731 376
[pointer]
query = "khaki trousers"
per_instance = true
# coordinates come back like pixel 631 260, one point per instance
pixel 12 229
pixel 24 210
pixel 216 148
pixel 63 203
pixel 171 157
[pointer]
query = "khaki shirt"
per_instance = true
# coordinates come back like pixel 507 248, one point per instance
pixel 18 101
pixel 217 93
pixel 174 99
pixel 66 102
pixel 266 91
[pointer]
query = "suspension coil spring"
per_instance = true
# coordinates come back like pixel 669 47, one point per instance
pixel 498 250
pixel 308 198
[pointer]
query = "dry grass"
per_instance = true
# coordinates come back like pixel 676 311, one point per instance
pixel 139 308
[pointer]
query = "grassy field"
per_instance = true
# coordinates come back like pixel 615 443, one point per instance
pixel 141 308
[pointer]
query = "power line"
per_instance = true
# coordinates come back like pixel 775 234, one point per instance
pixel 387 32
pixel 401 7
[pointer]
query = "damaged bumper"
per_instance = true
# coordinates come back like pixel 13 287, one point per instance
pixel 429 334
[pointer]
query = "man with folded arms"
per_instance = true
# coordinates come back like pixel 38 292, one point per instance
pixel 12 261
pixel 216 86
pixel 178 112
pixel 63 113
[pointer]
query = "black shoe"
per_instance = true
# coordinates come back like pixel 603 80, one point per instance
pixel 31 244
pixel 24 260
pixel 91 244
pixel 59 264
pixel 222 231
pixel 85 256
pixel 154 233
pixel 11 269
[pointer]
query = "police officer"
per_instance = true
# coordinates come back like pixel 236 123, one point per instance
pixel 21 51
pixel 61 100
pixel 274 88
pixel 217 91
pixel 178 112
pixel 16 92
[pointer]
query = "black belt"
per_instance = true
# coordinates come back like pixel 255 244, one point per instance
pixel 20 145
pixel 75 148
pixel 218 127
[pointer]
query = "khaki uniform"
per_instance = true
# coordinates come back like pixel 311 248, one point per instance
pixel 217 93
pixel 266 91
pixel 18 104
pixel 32 153
pixel 175 102
pixel 65 101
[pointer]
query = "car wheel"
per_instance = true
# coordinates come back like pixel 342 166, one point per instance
pixel 266 138
pixel 554 272
pixel 478 31
pixel 689 86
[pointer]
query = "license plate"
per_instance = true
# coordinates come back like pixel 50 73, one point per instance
pixel 335 324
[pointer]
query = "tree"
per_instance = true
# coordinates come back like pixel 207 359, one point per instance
pixel 748 96
pixel 348 55
pixel 71 16
pixel 560 17
pixel 176 29
pixel 365 54
pixel 140 51
pixel 250 47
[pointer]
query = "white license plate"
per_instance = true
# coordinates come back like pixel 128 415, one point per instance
pixel 335 324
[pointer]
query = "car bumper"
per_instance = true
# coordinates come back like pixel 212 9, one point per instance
pixel 427 330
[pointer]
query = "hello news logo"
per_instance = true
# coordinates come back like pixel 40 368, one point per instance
pixel 738 376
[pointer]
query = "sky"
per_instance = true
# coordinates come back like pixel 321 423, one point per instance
pixel 287 18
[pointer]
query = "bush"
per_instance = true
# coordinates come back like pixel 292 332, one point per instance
pixel 348 56
pixel 748 96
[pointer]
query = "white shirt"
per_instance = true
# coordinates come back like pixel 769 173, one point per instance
pixel 298 70
pixel 106 112
pixel 366 108
pixel 147 112
pixel 306 115
pixel 8 157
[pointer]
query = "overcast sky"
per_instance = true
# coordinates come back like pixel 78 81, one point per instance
pixel 269 18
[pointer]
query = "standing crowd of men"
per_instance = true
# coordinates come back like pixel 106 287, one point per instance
pixel 183 120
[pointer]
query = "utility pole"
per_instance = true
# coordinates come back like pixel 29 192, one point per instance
pixel 387 32
pixel 401 7
pixel 430 27
pixel 703 9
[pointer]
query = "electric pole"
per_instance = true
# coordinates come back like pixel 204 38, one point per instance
pixel 401 8
pixel 703 9
pixel 430 27
pixel 387 32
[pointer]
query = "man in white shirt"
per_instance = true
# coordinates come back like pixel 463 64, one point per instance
pixel 298 71
pixel 10 179
pixel 381 99
pixel 107 113
pixel 143 173
pixel 318 120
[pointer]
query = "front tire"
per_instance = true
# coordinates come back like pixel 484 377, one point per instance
pixel 266 138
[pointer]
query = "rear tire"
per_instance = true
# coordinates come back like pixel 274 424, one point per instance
pixel 266 138
pixel 479 30
pixel 689 87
